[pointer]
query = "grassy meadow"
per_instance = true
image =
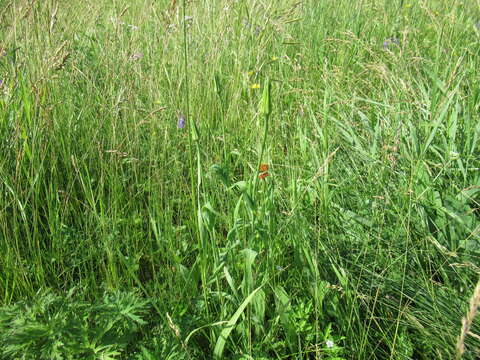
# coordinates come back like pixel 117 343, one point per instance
pixel 239 179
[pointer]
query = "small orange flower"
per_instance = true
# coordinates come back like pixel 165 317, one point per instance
pixel 263 175
pixel 263 167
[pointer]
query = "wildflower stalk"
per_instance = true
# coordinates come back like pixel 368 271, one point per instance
pixel 265 110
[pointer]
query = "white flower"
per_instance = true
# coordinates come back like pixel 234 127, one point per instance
pixel 330 344
pixel 116 21
pixel 454 155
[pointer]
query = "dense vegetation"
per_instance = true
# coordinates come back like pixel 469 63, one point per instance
pixel 239 179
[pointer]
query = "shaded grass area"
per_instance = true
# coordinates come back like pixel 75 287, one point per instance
pixel 361 243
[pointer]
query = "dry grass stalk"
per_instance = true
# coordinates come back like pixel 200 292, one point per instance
pixel 176 331
pixel 468 320
pixel 174 327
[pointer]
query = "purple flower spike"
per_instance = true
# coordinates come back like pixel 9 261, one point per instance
pixel 181 121
pixel 477 25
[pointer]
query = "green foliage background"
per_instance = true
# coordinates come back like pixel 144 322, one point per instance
pixel 125 237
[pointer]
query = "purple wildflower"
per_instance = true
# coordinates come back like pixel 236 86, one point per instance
pixel 390 41
pixel 477 25
pixel 181 121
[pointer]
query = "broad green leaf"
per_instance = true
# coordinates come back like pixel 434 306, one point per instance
pixel 222 339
